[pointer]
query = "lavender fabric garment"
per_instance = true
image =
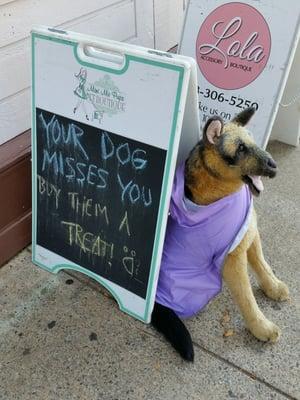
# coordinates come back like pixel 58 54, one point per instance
pixel 197 241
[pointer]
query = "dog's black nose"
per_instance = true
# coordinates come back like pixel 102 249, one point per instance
pixel 271 163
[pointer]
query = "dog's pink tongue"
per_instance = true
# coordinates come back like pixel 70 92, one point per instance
pixel 257 182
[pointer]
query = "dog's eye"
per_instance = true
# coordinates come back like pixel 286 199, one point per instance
pixel 241 148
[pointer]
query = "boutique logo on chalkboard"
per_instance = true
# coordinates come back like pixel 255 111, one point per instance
pixel 104 96
pixel 233 46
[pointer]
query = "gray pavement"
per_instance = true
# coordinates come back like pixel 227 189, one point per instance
pixel 62 337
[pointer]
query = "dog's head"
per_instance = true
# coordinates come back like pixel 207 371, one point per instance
pixel 232 154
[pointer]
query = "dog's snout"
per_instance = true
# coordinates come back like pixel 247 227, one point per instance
pixel 271 163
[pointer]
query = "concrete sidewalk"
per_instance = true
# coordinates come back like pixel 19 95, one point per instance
pixel 62 337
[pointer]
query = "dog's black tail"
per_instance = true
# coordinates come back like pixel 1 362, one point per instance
pixel 168 323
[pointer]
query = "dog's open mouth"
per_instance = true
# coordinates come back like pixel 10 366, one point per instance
pixel 255 183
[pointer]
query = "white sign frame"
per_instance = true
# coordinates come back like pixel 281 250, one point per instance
pixel 47 95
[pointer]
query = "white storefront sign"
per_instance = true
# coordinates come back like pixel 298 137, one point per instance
pixel 244 51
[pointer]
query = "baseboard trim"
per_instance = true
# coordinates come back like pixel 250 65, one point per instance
pixel 15 237
pixel 15 199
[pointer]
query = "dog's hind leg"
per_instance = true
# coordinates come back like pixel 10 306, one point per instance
pixel 236 276
pixel 168 323
pixel 272 286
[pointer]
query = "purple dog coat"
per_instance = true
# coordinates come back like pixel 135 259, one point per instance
pixel 197 240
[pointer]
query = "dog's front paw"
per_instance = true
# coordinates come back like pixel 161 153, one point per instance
pixel 278 291
pixel 265 330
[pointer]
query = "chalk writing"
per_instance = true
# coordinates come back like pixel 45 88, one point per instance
pixel 98 199
pixel 74 171
pixel 128 261
pixel 87 207
pixel 122 152
pixel 133 193
pixel 94 244
pixel 50 190
pixel 84 173
pixel 87 241
pixel 125 223
pixel 57 133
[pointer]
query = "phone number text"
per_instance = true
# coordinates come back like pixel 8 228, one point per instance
pixel 236 101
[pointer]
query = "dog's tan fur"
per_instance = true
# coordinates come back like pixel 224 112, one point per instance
pixel 208 179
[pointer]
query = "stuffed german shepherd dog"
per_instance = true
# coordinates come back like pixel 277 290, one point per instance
pixel 212 233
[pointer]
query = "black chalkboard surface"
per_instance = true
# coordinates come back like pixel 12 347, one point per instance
pixel 98 196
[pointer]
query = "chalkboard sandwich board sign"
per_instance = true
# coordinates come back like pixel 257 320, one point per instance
pixel 106 127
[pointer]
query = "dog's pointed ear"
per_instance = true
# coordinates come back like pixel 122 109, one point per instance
pixel 244 116
pixel 213 129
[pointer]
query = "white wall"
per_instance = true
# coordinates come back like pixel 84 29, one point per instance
pixel 151 23
pixel 168 20
pixel 124 20
pixel 286 127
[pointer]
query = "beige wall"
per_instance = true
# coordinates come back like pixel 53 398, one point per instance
pixel 146 22
pixel 124 20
